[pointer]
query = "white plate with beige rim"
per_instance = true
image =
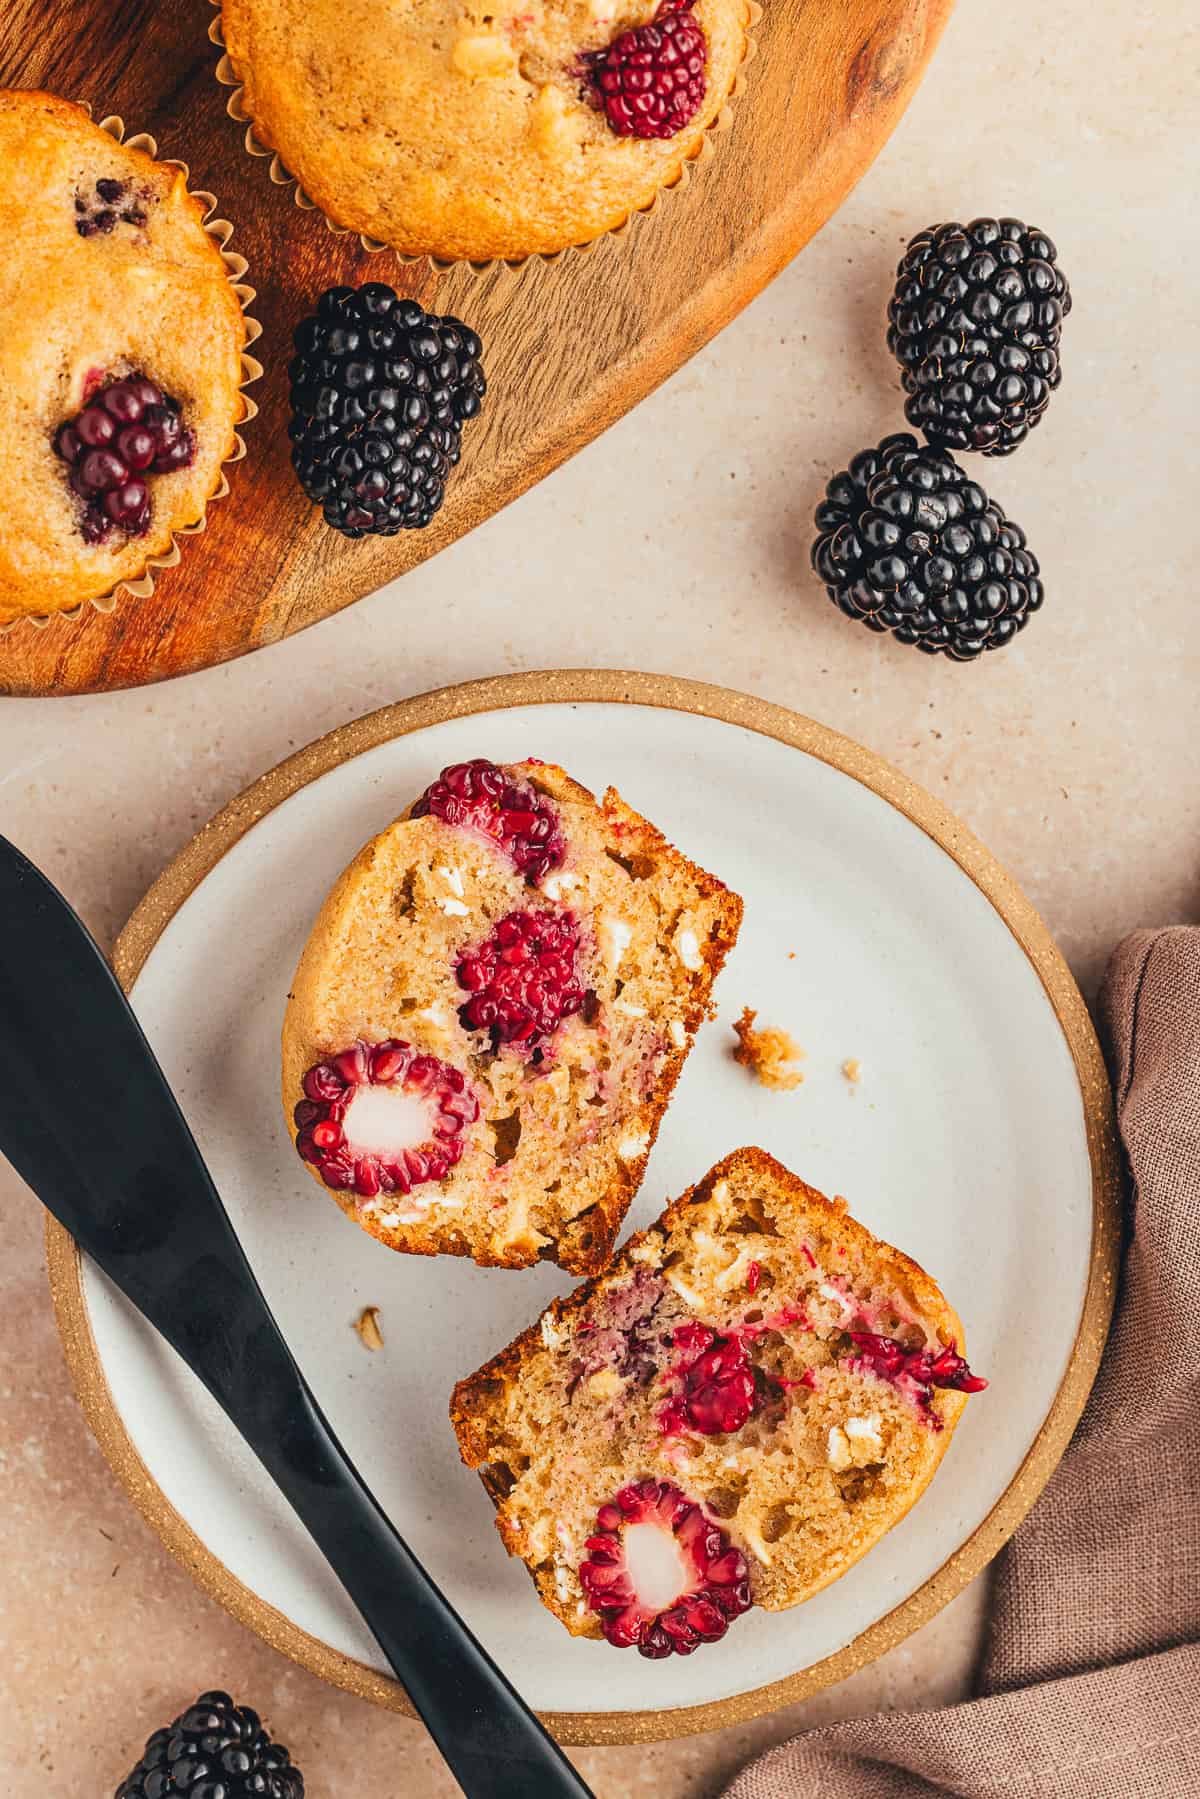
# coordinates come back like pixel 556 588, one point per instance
pixel 877 930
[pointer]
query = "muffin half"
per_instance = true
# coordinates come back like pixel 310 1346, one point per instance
pixel 491 1012
pixel 733 1415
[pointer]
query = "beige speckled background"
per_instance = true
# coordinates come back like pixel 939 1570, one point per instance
pixel 679 543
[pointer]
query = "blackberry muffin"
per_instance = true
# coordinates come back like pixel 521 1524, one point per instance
pixel 477 131
pixel 491 1012
pixel 749 1398
pixel 120 357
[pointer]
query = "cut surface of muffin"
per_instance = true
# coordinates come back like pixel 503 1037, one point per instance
pixel 490 1014
pixel 466 131
pixel 120 357
pixel 735 1413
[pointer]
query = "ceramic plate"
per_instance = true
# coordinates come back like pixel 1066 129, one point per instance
pixel 875 929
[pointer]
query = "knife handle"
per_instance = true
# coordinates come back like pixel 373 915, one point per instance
pixel 493 1744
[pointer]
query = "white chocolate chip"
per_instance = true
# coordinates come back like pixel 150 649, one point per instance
pixel 837 1452
pixel 737 1269
pixel 755 1544
pixel 519 1233
pixel 633 1147
pixel 555 885
pixel 538 1537
pixel 452 879
pixel 685 1292
pixel 483 56
pixel 606 1384
pixel 558 1081
pixel 553 1335
pixel 839 1299
pixel 649 1252
pixel 687 948
pixel 410 1215
pixel 720 1192
pixel 629 1009
pixel 676 1033
pixel 562 1582
pixel 615 937
pixel 866 1433
pixel 556 127
pixel 454 908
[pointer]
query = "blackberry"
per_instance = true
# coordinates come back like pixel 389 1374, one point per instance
pixel 109 204
pixel 908 543
pixel 380 392
pixel 127 431
pixel 651 80
pixel 214 1750
pixel 974 322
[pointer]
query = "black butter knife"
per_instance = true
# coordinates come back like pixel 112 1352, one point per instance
pixel 88 1120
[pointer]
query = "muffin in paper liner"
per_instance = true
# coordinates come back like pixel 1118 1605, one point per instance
pixel 220 230
pixel 238 110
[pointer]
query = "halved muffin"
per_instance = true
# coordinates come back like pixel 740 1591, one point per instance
pixel 733 1415
pixel 491 1012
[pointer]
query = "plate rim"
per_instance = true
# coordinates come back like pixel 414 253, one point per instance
pixel 215 839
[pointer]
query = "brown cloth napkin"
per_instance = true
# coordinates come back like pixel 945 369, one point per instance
pixel 1090 1683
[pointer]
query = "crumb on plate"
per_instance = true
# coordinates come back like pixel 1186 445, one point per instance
pixel 770 1054
pixel 852 1069
pixel 367 1326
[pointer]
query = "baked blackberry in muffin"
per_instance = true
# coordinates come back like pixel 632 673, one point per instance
pixel 490 1014
pixel 120 357
pixel 754 1393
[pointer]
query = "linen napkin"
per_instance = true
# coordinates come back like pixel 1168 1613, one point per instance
pixel 1090 1681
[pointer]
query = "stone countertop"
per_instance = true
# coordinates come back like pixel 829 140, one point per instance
pixel 679 543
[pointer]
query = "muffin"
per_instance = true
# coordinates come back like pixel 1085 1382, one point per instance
pixel 733 1415
pixel 472 131
pixel 120 357
pixel 491 1012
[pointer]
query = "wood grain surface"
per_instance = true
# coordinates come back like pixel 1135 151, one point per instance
pixel 569 345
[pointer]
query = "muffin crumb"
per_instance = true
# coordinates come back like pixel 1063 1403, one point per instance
pixel 367 1326
pixel 852 1069
pixel 770 1054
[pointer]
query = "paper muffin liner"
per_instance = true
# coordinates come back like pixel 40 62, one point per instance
pixel 140 587
pixel 237 109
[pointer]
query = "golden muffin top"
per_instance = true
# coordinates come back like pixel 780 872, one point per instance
pixel 108 275
pixel 471 130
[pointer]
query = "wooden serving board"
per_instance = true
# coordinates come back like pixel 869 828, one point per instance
pixel 569 345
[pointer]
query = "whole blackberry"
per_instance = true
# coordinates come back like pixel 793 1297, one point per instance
pixel 214 1750
pixel 908 543
pixel 974 322
pixel 380 392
